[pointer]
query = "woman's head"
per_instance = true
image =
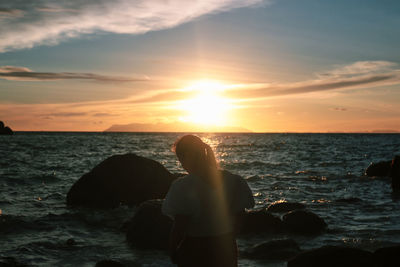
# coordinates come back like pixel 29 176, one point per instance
pixel 196 156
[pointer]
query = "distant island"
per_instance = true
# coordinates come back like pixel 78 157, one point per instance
pixel 5 130
pixel 173 127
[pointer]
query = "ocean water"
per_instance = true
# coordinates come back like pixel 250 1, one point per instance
pixel 37 170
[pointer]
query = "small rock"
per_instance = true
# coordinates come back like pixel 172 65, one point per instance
pixel 260 221
pixel 10 262
pixel 381 168
pixel 274 250
pixel 71 242
pixel 109 263
pixel 283 206
pixel 387 257
pixel 303 222
pixel 5 130
pixel 333 256
pixel 349 200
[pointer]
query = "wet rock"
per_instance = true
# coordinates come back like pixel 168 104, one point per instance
pixel 387 257
pixel 10 262
pixel 273 250
pixel 260 221
pixel 349 200
pixel 70 242
pixel 149 228
pixel 333 256
pixel 284 206
pixel 109 263
pixel 381 168
pixel 395 174
pixel 5 130
pixel 121 179
pixel 303 222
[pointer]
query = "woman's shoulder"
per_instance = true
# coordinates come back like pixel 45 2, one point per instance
pixel 228 175
pixel 183 181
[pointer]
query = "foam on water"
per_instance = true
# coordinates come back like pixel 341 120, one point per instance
pixel 322 171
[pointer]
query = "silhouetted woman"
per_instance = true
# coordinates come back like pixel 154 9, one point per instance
pixel 206 206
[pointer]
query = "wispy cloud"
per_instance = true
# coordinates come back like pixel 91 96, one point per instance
pixel 26 74
pixel 49 22
pixel 65 114
pixel 362 74
pixel 10 12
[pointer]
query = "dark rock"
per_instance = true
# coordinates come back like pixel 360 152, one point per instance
pixel 273 250
pixel 260 221
pixel 387 257
pixel 332 256
pixel 280 206
pixel 109 263
pixel 395 174
pixel 381 168
pixel 303 222
pixel 10 262
pixel 349 200
pixel 121 179
pixel 5 130
pixel 71 242
pixel 149 228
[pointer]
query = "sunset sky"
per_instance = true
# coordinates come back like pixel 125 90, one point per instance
pixel 266 66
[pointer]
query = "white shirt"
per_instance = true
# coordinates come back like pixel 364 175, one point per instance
pixel 211 209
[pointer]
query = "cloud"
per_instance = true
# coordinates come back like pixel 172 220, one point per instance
pixel 362 74
pixel 338 109
pixel 49 22
pixel 25 74
pixel 9 12
pixel 65 114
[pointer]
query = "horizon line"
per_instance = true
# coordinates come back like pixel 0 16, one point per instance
pixel 251 132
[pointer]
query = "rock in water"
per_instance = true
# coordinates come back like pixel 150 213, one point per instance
pixel 303 222
pixel 387 257
pixel 4 130
pixel 121 179
pixel 109 263
pixel 332 256
pixel 381 168
pixel 283 206
pixel 149 228
pixel 273 250
pixel 260 221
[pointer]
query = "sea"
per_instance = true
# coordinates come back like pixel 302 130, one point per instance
pixel 323 171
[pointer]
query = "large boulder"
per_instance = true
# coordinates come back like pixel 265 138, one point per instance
pixel 5 130
pixel 260 221
pixel 283 206
pixel 381 168
pixel 282 249
pixel 121 179
pixel 303 222
pixel 149 228
pixel 333 256
pixel 387 257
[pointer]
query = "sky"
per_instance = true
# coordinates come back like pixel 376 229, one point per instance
pixel 258 65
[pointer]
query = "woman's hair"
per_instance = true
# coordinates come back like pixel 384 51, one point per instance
pixel 192 148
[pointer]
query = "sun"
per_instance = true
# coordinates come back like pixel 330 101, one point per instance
pixel 207 107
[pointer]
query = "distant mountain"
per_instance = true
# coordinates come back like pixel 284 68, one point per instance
pixel 172 127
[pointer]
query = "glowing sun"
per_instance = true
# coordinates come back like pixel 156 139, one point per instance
pixel 207 107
